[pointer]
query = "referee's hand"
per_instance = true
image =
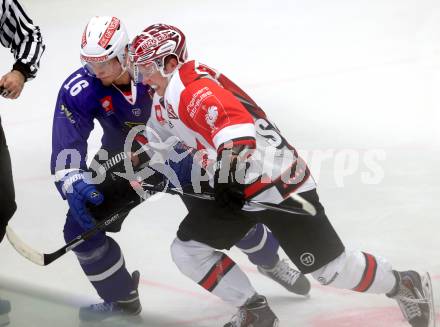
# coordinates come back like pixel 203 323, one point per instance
pixel 11 84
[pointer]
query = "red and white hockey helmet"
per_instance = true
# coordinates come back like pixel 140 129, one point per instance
pixel 154 44
pixel 104 38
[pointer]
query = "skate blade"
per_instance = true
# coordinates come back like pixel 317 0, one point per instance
pixel 429 295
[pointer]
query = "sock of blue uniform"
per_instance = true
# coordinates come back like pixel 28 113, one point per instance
pixel 103 263
pixel 105 269
pixel 260 246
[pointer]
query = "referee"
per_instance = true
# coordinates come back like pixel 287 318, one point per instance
pixel 18 33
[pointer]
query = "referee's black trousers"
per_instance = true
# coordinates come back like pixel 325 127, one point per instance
pixel 7 193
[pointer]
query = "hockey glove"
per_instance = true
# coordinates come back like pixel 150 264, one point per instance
pixel 78 193
pixel 229 184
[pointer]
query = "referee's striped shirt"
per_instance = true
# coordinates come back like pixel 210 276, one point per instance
pixel 18 32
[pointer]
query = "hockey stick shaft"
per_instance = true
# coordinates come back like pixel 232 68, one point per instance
pixel 43 259
pixel 306 208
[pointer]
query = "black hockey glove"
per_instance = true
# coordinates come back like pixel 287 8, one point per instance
pixel 229 182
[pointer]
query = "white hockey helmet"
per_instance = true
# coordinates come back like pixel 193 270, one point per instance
pixel 104 38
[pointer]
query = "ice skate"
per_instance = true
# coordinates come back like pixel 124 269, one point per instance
pixel 415 298
pixel 128 308
pixel 255 313
pixel 289 278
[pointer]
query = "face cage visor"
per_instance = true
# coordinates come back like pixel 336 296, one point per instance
pixel 103 64
pixel 140 72
pixel 97 69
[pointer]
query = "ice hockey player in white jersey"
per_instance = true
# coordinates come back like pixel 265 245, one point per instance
pixel 102 91
pixel 207 112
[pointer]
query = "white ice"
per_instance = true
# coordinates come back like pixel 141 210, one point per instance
pixel 342 79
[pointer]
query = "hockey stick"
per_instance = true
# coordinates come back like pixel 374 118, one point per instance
pixel 43 259
pixel 306 207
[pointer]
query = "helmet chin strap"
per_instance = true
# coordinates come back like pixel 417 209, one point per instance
pixel 124 70
pixel 122 73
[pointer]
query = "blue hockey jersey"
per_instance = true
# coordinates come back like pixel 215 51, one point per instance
pixel 82 99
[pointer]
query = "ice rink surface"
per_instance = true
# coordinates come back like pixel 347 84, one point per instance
pixel 353 84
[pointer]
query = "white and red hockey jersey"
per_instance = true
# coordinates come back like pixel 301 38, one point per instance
pixel 204 109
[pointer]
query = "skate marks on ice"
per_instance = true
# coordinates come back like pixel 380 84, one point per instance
pixel 33 306
pixel 43 310
pixel 205 310
pixel 195 308
pixel 363 317
pixel 38 309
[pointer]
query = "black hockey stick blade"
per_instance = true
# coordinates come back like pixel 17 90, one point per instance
pixel 43 259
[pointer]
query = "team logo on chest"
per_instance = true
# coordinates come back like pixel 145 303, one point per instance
pixel 211 116
pixel 107 104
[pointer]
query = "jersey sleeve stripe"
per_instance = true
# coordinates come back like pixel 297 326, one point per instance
pixel 234 132
pixel 250 142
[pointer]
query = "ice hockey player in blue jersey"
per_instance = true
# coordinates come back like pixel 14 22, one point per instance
pixel 102 90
